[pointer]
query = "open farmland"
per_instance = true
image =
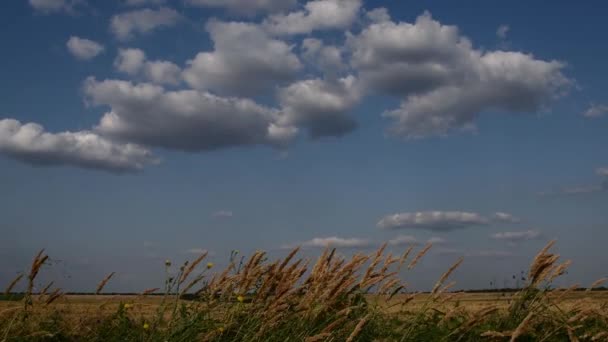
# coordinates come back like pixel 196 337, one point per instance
pixel 334 299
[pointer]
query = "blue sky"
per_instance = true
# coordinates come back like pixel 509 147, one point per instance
pixel 138 130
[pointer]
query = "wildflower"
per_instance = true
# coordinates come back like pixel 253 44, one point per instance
pixel 240 298
pixel 209 265
pixel 146 326
pixel 167 262
pixel 128 306
pixel 220 329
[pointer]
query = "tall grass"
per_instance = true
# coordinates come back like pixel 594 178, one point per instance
pixel 333 299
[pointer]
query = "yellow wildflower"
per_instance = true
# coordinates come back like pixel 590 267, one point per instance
pixel 209 265
pixel 240 298
pixel 128 306
pixel 146 326
pixel 220 329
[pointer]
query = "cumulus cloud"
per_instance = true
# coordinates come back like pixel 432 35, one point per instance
pixel 326 58
pixel 596 111
pixel 404 240
pixel 518 236
pixel 333 242
pixel 433 220
pixel 505 217
pixel 321 106
pixel 84 49
pixel 502 31
pixel 436 240
pixel 133 62
pixel 55 6
pixel 30 143
pixel 378 15
pixel 316 15
pixel 223 214
pixel 130 61
pixel 124 26
pixel 246 7
pixel 245 60
pixel 188 120
pixel 444 82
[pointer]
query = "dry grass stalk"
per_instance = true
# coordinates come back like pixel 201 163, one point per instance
pixel 571 335
pixel 149 291
pixel 192 266
pixel 357 329
pixel 333 325
pixel 39 260
pixel 419 256
pixel 12 285
pixel 560 270
pixel 318 337
pixel 599 335
pixel 597 283
pixel 103 283
pixel 53 296
pixel 46 288
pixel 404 257
pixel 445 275
pixel 522 327
pixel 542 262
pixel 490 333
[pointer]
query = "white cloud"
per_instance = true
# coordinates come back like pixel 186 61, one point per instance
pixel 502 31
pixel 436 240
pixel 596 111
pixel 505 217
pixel 223 214
pixel 130 61
pixel 402 240
pixel 125 25
pixel 246 7
pixel 326 58
pixel 321 106
pixel 602 171
pixel 133 62
pixel 244 61
pixel 30 143
pixel 188 120
pixel 55 6
pixel 517 236
pixel 84 48
pixel 316 15
pixel 333 242
pixel 143 2
pixel 378 15
pixel 162 72
pixel 432 220
pixel 443 81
